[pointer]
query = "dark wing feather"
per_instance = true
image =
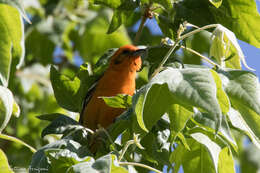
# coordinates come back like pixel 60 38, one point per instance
pixel 87 99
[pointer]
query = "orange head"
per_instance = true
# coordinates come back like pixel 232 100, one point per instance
pixel 128 58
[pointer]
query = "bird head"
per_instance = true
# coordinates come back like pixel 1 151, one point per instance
pixel 127 58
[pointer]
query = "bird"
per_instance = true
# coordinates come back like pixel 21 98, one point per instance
pixel 118 78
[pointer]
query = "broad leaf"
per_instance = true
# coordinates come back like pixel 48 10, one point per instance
pixel 250 159
pixel 216 3
pixel 17 4
pixel 197 159
pixel 240 16
pixel 178 117
pixel 59 125
pixel 188 87
pixel 243 90
pixel 224 45
pixel 6 106
pixel 213 148
pixel 226 161
pixel 4 166
pixel 237 121
pixel 70 93
pixel 92 45
pixel 61 160
pixel 118 101
pixel 12 41
pixel 39 159
pixel 206 121
pixel 49 117
pixel 107 163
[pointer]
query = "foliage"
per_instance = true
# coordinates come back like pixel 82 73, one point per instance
pixel 184 113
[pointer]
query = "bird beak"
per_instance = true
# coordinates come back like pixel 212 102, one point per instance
pixel 139 52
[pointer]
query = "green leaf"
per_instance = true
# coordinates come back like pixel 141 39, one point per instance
pixel 226 161
pixel 109 3
pixel 16 140
pixel 197 159
pixel 49 117
pixel 65 90
pixel 178 117
pixel 62 159
pixel 188 87
pixel 4 167
pixel 118 18
pixel 221 95
pixel 243 90
pixel 240 16
pixel 59 125
pixel 207 121
pixel 43 53
pixel 107 163
pixel 39 159
pixel 224 45
pixel 250 159
pixel 68 92
pixel 12 41
pixel 17 4
pixel 6 106
pixel 118 101
pixel 167 4
pixel 94 41
pixel 244 87
pixel 216 3
pixel 151 105
pixel 237 121
pixel 213 148
pixel 16 110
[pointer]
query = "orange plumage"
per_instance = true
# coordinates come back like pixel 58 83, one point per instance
pixel 119 78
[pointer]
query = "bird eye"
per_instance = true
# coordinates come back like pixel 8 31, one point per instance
pixel 126 52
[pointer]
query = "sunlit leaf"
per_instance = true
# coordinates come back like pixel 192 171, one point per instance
pixel 226 161
pixel 58 125
pixel 6 106
pixel 12 41
pixel 213 148
pixel 216 3
pixel 4 167
pixel 118 101
pixel 244 96
pixel 178 116
pixel 197 159
pixel 237 121
pixel 224 42
pixel 187 87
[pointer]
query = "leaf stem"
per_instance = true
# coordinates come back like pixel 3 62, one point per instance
pixel 14 139
pixel 140 165
pixel 202 56
pixel 157 70
pixel 125 149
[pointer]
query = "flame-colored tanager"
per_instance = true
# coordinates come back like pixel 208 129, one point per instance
pixel 119 78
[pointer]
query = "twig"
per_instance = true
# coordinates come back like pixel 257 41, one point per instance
pixel 125 149
pixel 202 56
pixel 147 14
pixel 157 70
pixel 140 165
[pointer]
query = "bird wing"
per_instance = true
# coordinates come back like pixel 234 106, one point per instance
pixel 88 98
